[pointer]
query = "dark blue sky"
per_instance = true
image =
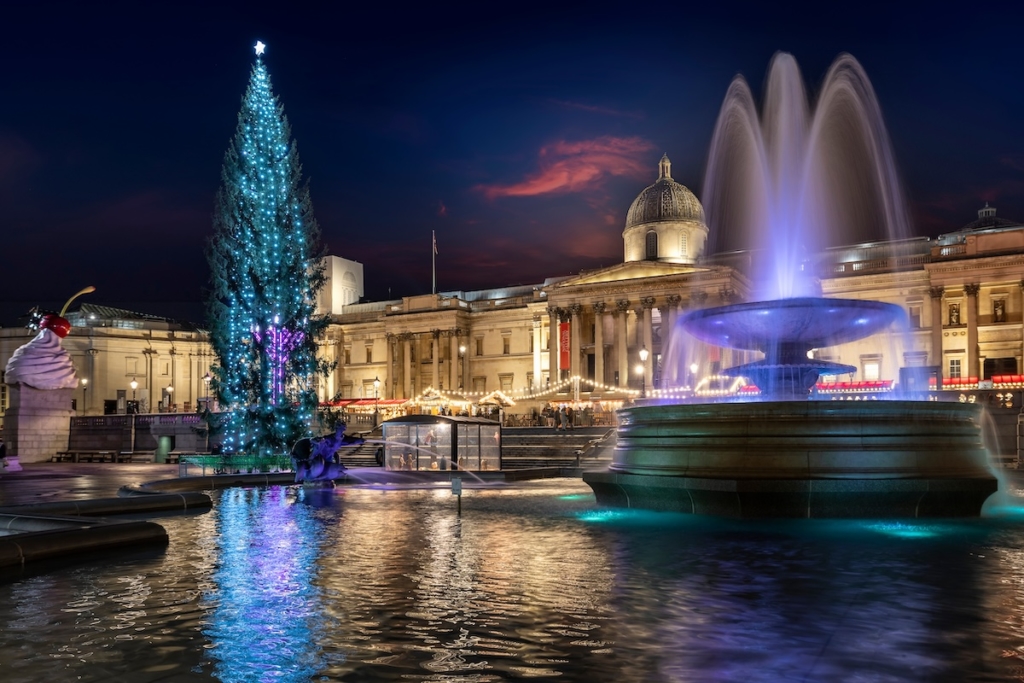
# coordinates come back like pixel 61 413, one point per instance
pixel 519 133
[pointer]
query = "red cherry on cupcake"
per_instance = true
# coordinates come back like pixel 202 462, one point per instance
pixel 60 326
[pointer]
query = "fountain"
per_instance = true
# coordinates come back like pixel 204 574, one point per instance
pixel 772 182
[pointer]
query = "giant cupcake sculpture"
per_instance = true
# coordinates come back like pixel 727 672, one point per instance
pixel 41 380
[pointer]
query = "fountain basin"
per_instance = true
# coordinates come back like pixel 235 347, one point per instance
pixel 835 459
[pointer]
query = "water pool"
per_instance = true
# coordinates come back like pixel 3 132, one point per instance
pixel 532 581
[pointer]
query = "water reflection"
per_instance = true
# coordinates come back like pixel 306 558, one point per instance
pixel 530 582
pixel 267 618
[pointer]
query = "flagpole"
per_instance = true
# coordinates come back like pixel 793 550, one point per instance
pixel 433 262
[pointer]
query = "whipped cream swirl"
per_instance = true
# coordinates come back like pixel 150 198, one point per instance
pixel 42 364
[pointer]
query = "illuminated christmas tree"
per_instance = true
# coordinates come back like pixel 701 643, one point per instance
pixel 265 259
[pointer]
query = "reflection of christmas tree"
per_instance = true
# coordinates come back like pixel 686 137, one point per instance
pixel 266 274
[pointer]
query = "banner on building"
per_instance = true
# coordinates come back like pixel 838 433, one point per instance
pixel 564 337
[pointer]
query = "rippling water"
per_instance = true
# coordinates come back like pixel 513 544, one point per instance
pixel 531 581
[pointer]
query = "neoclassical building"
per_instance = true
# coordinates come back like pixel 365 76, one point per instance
pixel 581 336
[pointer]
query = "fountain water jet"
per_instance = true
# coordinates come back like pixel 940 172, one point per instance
pixel 772 183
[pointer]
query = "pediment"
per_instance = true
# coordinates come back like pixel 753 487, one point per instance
pixel 633 270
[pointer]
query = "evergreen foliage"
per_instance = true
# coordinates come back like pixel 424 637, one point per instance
pixel 267 268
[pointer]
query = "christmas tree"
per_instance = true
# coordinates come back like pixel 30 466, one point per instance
pixel 266 265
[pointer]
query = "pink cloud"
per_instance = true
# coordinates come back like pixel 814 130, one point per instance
pixel 567 167
pixel 442 210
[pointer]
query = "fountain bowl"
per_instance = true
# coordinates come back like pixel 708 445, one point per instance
pixel 811 459
pixel 805 322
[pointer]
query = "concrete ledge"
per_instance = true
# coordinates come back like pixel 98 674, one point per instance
pixel 794 498
pixel 77 540
pixel 99 507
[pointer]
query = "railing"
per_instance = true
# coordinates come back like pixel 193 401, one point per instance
pixel 204 465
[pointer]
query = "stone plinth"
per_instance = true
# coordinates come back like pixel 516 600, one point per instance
pixel 38 422
pixel 800 459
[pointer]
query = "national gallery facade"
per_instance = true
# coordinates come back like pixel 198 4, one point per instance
pixel 581 337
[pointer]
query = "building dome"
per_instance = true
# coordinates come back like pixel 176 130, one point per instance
pixel 665 200
pixel 665 223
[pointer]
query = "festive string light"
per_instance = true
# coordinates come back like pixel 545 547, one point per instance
pixel 266 277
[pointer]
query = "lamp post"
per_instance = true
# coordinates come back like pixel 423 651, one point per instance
pixel 207 378
pixel 693 375
pixel 134 385
pixel 462 364
pixel 643 371
pixel 376 401
pixel 170 397
pixel 85 393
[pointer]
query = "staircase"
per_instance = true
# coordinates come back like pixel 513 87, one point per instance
pixel 532 447
pixel 363 455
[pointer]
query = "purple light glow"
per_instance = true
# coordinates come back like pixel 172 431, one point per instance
pixel 278 345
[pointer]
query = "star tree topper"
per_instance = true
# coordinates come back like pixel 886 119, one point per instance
pixel 260 47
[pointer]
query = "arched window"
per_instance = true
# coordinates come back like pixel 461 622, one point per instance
pixel 652 246
pixel 682 245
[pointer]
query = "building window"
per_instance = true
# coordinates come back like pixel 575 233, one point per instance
pixel 954 315
pixel 479 347
pixel 871 371
pixel 506 345
pixel 871 366
pixel 999 310
pixel 165 367
pixel 531 343
pixel 915 317
pixel 652 246
pixel 480 384
pixel 369 354
pixel 506 383
pixel 529 380
pixel 682 245
pixel 954 368
pixel 348 356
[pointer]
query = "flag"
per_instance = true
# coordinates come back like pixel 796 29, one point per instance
pixel 433 235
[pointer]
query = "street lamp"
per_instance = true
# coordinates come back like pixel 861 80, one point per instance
pixel 170 396
pixel 376 400
pixel 462 363
pixel 693 374
pixel 207 378
pixel 134 385
pixel 85 393
pixel 643 371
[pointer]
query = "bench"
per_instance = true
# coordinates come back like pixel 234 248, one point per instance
pixel 90 456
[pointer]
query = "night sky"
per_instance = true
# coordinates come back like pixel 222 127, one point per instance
pixel 520 134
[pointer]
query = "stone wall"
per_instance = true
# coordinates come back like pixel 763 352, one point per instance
pixel 38 422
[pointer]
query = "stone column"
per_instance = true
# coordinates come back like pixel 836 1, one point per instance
pixel 151 400
pixel 406 365
pixel 936 355
pixel 648 339
pixel 90 362
pixel 574 339
pixel 537 336
pixel 599 342
pixel 464 355
pixel 389 387
pixel 553 312
pixel 435 359
pixel 621 341
pixel 453 359
pixel 669 316
pixel 972 329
